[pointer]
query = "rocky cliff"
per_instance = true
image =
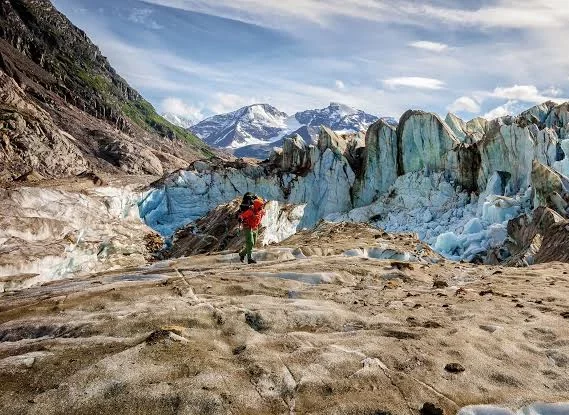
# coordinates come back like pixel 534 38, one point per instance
pixel 63 104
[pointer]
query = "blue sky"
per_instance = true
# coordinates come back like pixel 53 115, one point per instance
pixel 197 58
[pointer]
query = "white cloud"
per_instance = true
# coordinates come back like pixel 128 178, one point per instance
pixel 414 82
pixel 224 102
pixel 528 93
pixel 552 91
pixel 533 14
pixel 339 84
pixel 430 46
pixel 509 108
pixel 525 93
pixel 464 104
pixel 142 17
pixel 178 107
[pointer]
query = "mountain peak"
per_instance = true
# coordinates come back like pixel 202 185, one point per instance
pixel 261 125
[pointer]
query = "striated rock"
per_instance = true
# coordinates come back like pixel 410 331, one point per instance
pixel 526 235
pixel 130 157
pixel 30 139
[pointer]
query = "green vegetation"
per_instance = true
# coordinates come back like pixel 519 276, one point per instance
pixel 144 115
pixel 97 82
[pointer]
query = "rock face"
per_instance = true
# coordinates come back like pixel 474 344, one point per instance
pixel 527 234
pixel 31 140
pixel 63 108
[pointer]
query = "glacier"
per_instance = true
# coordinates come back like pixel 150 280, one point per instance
pixel 454 183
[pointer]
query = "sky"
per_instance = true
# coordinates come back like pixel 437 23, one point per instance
pixel 197 58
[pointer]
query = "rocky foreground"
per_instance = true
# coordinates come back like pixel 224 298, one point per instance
pixel 380 324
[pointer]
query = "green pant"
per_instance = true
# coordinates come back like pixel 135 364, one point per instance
pixel 250 241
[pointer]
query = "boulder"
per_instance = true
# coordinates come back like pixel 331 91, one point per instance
pixel 536 238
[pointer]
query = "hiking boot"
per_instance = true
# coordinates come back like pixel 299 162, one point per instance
pixel 242 258
pixel 251 261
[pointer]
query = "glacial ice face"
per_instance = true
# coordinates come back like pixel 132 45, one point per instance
pixel 48 234
pixel 380 163
pixel 280 223
pixel 189 195
pixel 562 166
pixel 456 223
pixel 457 196
pixel 426 143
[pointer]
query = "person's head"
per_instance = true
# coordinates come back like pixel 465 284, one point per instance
pixel 258 204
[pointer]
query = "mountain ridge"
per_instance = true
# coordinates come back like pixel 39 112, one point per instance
pixel 255 129
pixel 51 65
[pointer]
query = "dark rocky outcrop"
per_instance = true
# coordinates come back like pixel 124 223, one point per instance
pixel 59 94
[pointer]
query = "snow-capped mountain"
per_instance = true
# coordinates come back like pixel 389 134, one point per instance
pixel 338 117
pixel 178 120
pixel 254 130
pixel 254 124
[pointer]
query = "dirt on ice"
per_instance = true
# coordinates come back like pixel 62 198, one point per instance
pixel 341 320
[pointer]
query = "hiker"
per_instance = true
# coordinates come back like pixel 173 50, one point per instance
pixel 251 218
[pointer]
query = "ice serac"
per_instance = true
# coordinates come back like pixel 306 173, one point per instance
pixel 558 117
pixel 475 129
pixel 295 154
pixel 190 194
pixel 511 146
pixel 467 132
pixel 49 233
pixel 457 125
pixel 380 163
pixel 425 143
